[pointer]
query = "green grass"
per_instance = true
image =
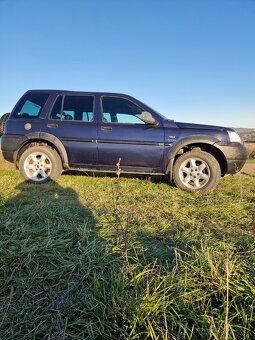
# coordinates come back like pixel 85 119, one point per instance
pixel 250 161
pixel 101 258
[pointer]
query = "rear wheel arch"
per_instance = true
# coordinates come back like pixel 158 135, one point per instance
pixel 3 120
pixel 40 163
pixel 44 139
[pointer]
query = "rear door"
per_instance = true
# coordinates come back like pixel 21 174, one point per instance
pixel 72 120
pixel 122 134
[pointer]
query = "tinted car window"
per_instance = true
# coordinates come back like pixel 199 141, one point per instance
pixel 78 108
pixel 74 108
pixel 30 105
pixel 120 110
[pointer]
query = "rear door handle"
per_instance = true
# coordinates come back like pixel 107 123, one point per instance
pixel 106 128
pixel 52 125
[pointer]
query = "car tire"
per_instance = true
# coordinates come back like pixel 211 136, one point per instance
pixel 196 170
pixel 39 164
pixel 3 120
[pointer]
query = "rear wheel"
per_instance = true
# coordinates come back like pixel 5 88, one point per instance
pixel 39 164
pixel 196 170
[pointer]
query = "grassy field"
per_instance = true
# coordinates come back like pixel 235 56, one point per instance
pixel 101 258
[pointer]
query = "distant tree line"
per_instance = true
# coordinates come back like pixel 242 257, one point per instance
pixel 247 135
pixel 250 150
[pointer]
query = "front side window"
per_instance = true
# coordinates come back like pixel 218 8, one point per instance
pixel 30 106
pixel 74 108
pixel 120 110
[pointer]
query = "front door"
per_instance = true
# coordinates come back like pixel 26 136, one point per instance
pixel 122 134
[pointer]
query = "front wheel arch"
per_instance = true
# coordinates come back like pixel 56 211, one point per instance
pixel 206 147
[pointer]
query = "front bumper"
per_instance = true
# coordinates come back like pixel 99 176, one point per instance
pixel 235 155
pixel 10 144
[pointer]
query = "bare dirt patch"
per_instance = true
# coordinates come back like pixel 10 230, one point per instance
pixel 249 169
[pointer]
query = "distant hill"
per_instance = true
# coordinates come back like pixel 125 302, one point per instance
pixel 247 135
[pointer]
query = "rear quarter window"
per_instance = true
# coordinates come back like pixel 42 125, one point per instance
pixel 30 105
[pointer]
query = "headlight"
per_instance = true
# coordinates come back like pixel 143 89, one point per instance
pixel 234 137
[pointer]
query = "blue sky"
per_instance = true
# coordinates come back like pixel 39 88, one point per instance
pixel 191 60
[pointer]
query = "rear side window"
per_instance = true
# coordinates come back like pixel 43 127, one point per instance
pixel 30 106
pixel 76 108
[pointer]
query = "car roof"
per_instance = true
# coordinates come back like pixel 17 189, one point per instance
pixel 77 92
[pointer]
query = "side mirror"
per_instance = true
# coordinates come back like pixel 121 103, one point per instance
pixel 147 118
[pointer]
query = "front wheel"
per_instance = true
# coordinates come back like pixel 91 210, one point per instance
pixel 196 170
pixel 39 164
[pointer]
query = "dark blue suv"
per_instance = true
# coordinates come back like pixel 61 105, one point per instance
pixel 49 131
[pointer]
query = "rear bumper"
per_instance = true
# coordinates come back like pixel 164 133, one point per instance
pixel 10 144
pixel 235 154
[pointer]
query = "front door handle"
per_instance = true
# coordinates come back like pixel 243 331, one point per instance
pixel 106 128
pixel 52 125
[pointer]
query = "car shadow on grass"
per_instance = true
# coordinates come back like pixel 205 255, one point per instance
pixel 54 265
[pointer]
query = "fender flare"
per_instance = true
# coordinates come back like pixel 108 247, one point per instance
pixel 47 137
pixel 3 120
pixel 177 146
